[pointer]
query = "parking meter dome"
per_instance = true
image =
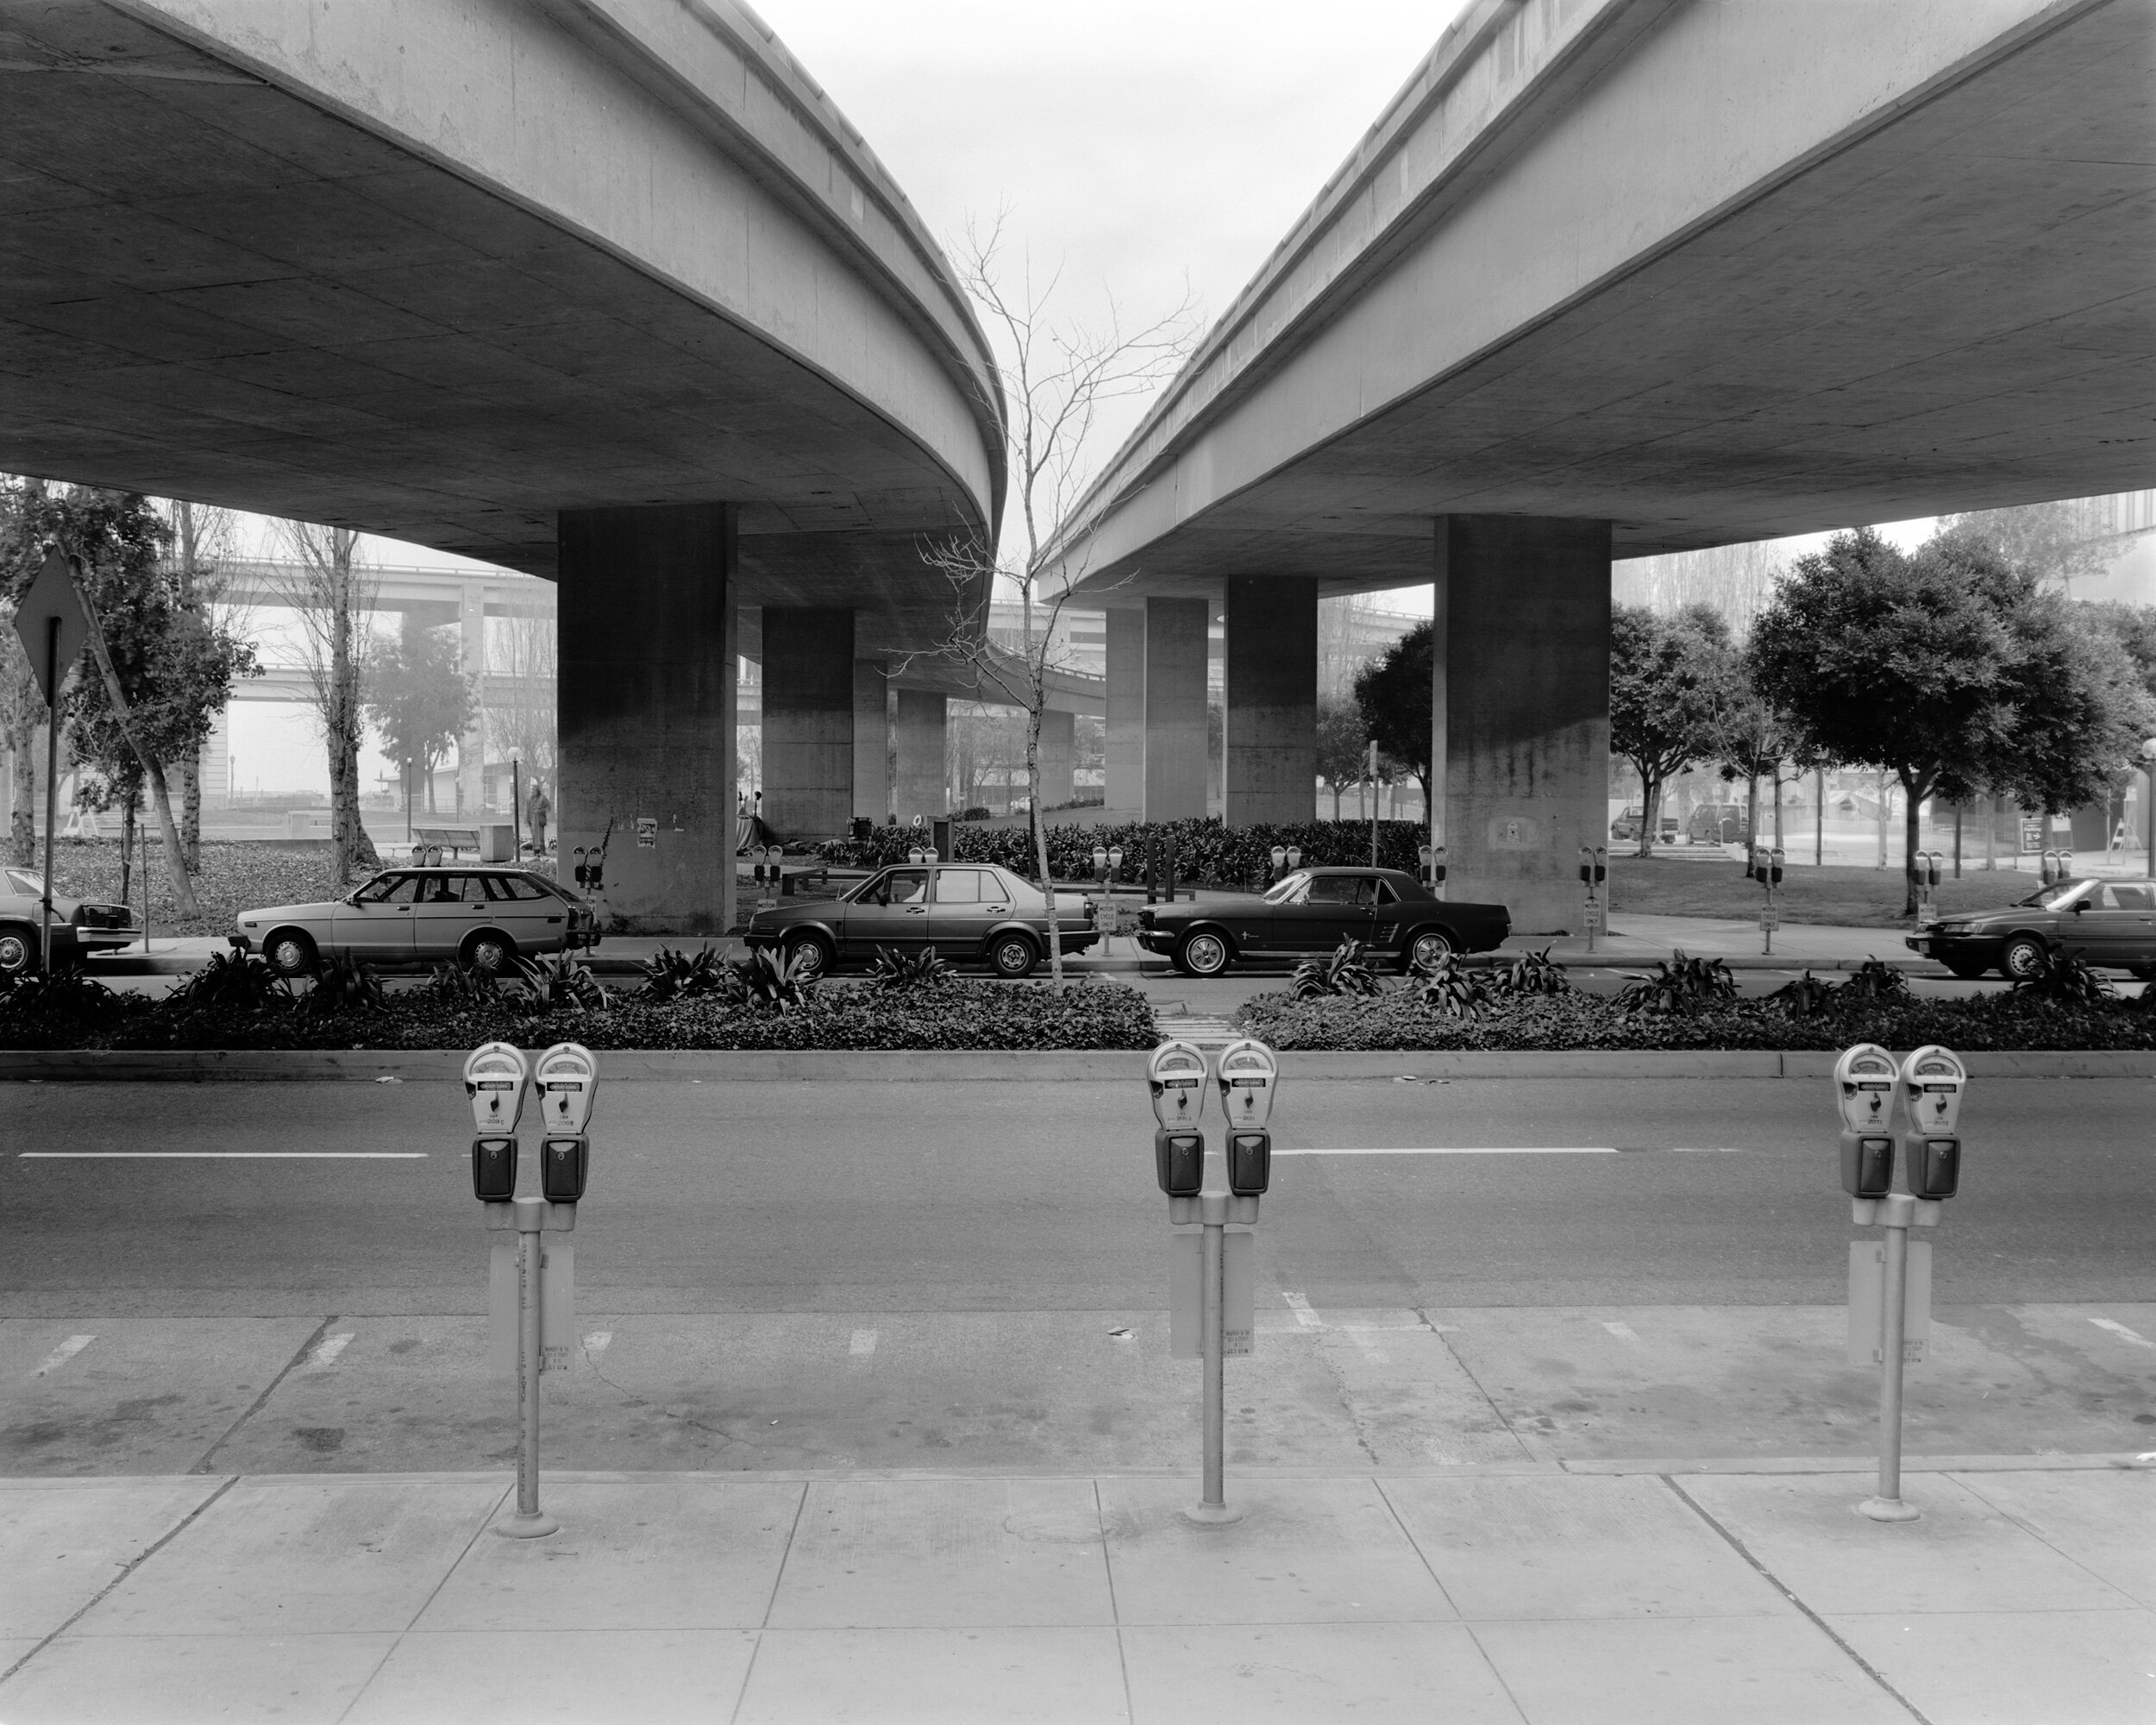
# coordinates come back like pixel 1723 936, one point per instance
pixel 1864 1089
pixel 566 1079
pixel 495 1080
pixel 1248 1076
pixel 1933 1080
pixel 1175 1073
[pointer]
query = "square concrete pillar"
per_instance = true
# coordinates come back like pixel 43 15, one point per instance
pixel 1520 715
pixel 1058 756
pixel 646 711
pixel 924 777
pixel 1126 787
pixel 872 740
pixel 1177 641
pixel 472 661
pixel 808 720
pixel 1272 770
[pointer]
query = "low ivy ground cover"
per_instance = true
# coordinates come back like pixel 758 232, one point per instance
pixel 1205 850
pixel 956 1014
pixel 1399 1019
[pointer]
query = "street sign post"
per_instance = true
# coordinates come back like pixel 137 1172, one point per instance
pixel 50 622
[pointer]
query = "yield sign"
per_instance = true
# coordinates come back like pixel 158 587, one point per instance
pixel 51 595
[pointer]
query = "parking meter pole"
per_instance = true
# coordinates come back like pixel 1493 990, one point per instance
pixel 528 1523
pixel 1213 1213
pixel 1896 1213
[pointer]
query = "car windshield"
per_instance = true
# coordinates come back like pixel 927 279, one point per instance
pixel 2055 898
pixel 22 880
pixel 1288 888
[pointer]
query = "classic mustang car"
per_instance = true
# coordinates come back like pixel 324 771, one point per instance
pixel 2111 922
pixel 481 916
pixel 1313 910
pixel 964 910
pixel 79 926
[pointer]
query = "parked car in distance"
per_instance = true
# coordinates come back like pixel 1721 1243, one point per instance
pixel 1626 828
pixel 1714 823
pixel 477 914
pixel 966 911
pixel 1313 910
pixel 80 926
pixel 2111 924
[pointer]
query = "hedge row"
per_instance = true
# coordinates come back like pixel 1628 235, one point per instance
pixel 1398 1020
pixel 1206 851
pixel 959 1014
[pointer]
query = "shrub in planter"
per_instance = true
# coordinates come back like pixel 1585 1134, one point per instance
pixel 1343 972
pixel 1678 984
pixel 1532 973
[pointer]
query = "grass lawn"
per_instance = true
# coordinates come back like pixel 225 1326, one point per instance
pixel 1856 898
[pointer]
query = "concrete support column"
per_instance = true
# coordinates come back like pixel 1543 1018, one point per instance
pixel 1521 710
pixel 808 720
pixel 924 776
pixel 1272 770
pixel 646 711
pixel 1125 789
pixel 472 661
pixel 1058 753
pixel 1176 642
pixel 872 740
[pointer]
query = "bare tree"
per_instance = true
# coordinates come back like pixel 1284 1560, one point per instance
pixel 327 586
pixel 202 542
pixel 1057 377
pixel 518 691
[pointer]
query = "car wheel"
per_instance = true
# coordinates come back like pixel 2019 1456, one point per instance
pixel 1967 969
pixel 811 953
pixel 2022 958
pixel 1012 955
pixel 1429 947
pixel 290 953
pixel 18 951
pixel 488 949
pixel 1203 954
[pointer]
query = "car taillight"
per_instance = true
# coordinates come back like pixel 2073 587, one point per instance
pixel 1145 918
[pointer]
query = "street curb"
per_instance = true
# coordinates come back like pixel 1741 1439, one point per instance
pixel 940 1067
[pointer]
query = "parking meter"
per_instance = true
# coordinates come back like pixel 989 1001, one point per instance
pixel 496 1080
pixel 1248 1076
pixel 566 1079
pixel 1100 863
pixel 1176 1072
pixel 1864 1079
pixel 1294 860
pixel 1115 862
pixel 1279 860
pixel 1933 1080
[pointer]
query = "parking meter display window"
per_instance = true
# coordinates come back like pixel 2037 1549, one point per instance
pixel 494 1170
pixel 1179 1162
pixel 1867 1164
pixel 562 1166
pixel 1250 1162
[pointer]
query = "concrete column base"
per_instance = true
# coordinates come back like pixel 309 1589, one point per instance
pixel 808 720
pixel 1272 770
pixel 924 780
pixel 647 711
pixel 1521 710
pixel 871 740
pixel 1126 762
pixel 1058 751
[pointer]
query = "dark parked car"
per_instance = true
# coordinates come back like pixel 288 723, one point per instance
pixel 1714 823
pixel 966 911
pixel 1313 910
pixel 80 926
pixel 2110 923
pixel 1626 828
pixel 482 915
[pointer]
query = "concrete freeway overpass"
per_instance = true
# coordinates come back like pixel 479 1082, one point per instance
pixel 1618 277
pixel 599 290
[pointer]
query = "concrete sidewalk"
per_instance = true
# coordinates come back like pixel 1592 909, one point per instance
pixel 1508 1593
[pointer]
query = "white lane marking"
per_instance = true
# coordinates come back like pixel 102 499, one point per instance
pixel 597 1341
pixel 2120 1330
pixel 222 1155
pixel 329 1348
pixel 1705 1150
pixel 1624 1332
pixel 863 1344
pixel 60 1355
pixel 1375 1354
pixel 1463 1150
pixel 1304 1316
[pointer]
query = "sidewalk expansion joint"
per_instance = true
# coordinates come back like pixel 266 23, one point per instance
pixel 1775 1582
pixel 299 1358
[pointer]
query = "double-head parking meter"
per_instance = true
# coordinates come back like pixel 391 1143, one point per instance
pixel 495 1080
pixel 566 1079
pixel 1176 1072
pixel 1865 1082
pixel 1247 1076
pixel 1933 1079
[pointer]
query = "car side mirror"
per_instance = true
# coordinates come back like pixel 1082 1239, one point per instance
pixel 2079 906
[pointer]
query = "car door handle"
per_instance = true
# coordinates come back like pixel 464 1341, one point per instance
pixel 999 910
pixel 917 910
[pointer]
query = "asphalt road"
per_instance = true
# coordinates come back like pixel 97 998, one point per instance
pixel 1003 1231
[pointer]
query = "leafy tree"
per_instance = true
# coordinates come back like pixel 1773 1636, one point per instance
pixel 2042 540
pixel 1342 744
pixel 1949 668
pixel 329 588
pixel 1394 697
pixel 418 699
pixel 1671 684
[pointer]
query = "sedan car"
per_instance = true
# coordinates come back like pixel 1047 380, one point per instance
pixel 479 916
pixel 79 926
pixel 964 910
pixel 1313 910
pixel 2109 923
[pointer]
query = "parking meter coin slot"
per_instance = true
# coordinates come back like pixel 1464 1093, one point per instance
pixel 1935 1166
pixel 1250 1162
pixel 562 1166
pixel 1867 1164
pixel 494 1170
pixel 1179 1162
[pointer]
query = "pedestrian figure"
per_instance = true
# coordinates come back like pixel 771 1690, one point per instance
pixel 540 809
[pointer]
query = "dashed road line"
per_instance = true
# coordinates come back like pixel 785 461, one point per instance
pixel 60 1355
pixel 221 1154
pixel 1453 1150
pixel 324 1353
pixel 1304 1316
pixel 1624 1332
pixel 863 1345
pixel 595 1344
pixel 2124 1334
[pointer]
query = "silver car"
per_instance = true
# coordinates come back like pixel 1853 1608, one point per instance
pixel 79 926
pixel 478 915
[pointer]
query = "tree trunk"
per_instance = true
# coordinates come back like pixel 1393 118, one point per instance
pixel 127 849
pixel 1650 811
pixel 349 846
pixel 1040 850
pixel 1914 790
pixel 191 814
pixel 1751 813
pixel 22 817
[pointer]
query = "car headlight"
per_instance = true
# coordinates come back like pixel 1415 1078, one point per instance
pixel 1950 928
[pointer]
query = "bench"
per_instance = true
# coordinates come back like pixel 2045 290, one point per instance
pixel 493 840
